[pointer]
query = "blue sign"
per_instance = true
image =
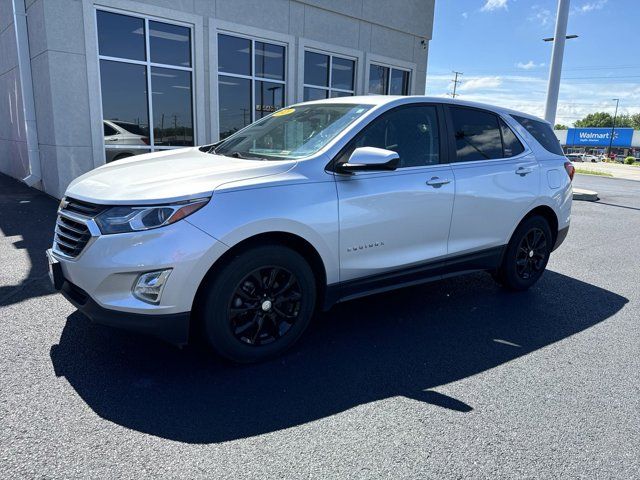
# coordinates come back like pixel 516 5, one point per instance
pixel 599 137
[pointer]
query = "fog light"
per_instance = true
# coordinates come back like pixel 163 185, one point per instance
pixel 149 286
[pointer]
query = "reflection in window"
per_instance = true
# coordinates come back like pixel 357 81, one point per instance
pixel 399 84
pixel 388 81
pixel 477 134
pixel 269 98
pixel 234 104
pixel 170 44
pixel 411 131
pixel 126 76
pixel 251 81
pixel 121 36
pixel 173 120
pixel 327 76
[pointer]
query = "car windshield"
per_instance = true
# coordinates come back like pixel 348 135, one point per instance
pixel 291 133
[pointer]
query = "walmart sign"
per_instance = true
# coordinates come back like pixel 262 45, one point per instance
pixel 599 137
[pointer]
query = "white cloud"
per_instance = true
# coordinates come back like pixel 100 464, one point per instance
pixel 530 65
pixel 492 5
pixel 480 83
pixel 591 6
pixel 465 15
pixel 541 15
pixel 527 93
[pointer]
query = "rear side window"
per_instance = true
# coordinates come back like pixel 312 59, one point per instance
pixel 109 130
pixel 477 134
pixel 542 132
pixel 510 143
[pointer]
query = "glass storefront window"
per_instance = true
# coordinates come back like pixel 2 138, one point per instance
pixel 172 116
pixel 138 92
pixel 388 81
pixel 121 36
pixel 251 81
pixel 327 76
pixel 170 44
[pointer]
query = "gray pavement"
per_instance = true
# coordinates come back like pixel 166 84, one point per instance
pixel 457 379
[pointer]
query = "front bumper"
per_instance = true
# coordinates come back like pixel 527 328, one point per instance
pixel 172 328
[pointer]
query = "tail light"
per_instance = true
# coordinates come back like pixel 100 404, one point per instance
pixel 568 166
pixel 145 140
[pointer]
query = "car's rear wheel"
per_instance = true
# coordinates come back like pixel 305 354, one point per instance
pixel 259 304
pixel 526 255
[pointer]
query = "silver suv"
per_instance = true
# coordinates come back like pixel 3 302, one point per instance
pixel 239 242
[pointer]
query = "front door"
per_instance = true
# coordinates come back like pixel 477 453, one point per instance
pixel 400 219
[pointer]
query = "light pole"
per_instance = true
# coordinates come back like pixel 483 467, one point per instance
pixel 613 127
pixel 556 61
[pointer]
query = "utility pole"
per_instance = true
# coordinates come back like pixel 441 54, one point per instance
pixel 556 61
pixel 613 127
pixel 455 83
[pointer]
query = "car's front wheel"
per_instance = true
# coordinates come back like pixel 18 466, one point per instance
pixel 526 255
pixel 259 304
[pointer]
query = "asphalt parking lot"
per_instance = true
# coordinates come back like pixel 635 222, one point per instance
pixel 457 379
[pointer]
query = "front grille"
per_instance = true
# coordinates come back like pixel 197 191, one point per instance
pixel 72 233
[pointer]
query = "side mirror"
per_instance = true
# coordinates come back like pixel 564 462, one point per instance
pixel 370 159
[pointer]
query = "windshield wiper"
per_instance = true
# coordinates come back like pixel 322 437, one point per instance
pixel 242 156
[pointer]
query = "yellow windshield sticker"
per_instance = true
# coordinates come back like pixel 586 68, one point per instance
pixel 286 111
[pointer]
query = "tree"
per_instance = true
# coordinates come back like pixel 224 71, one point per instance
pixel 560 126
pixel 598 119
pixel 604 119
pixel 635 121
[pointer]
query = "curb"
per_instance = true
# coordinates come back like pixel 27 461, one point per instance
pixel 585 195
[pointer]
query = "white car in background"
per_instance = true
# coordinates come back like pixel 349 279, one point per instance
pixel 120 136
pixel 239 242
pixel 575 157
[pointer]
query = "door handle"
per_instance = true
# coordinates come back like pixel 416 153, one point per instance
pixel 437 182
pixel 522 171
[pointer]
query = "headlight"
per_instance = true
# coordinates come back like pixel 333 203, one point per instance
pixel 132 219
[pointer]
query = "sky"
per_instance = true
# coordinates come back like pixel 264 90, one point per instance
pixel 498 46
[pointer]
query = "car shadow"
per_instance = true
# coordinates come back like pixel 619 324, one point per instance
pixel 30 215
pixel 405 343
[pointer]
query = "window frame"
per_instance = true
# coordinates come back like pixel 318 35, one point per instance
pixel 148 64
pixel 453 156
pixel 331 56
pixel 444 145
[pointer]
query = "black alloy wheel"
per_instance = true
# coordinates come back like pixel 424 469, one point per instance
pixel 525 257
pixel 532 253
pixel 258 303
pixel 265 305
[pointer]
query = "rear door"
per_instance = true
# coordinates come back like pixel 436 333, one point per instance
pixel 393 220
pixel 497 180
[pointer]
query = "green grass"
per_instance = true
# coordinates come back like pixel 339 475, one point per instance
pixel 592 172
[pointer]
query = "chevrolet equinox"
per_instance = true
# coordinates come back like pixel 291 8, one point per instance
pixel 239 242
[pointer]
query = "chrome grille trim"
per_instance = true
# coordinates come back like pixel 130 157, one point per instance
pixel 75 227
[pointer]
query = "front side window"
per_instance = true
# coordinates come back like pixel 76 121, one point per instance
pixel 146 83
pixel 542 132
pixel 292 133
pixel 251 81
pixel 327 76
pixel 410 131
pixel 477 134
pixel 388 81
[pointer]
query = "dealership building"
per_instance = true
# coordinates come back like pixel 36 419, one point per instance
pixel 84 82
pixel 596 141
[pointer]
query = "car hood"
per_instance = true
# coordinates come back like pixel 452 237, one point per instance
pixel 172 175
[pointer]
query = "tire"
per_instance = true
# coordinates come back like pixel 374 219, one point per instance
pixel 526 255
pixel 259 304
